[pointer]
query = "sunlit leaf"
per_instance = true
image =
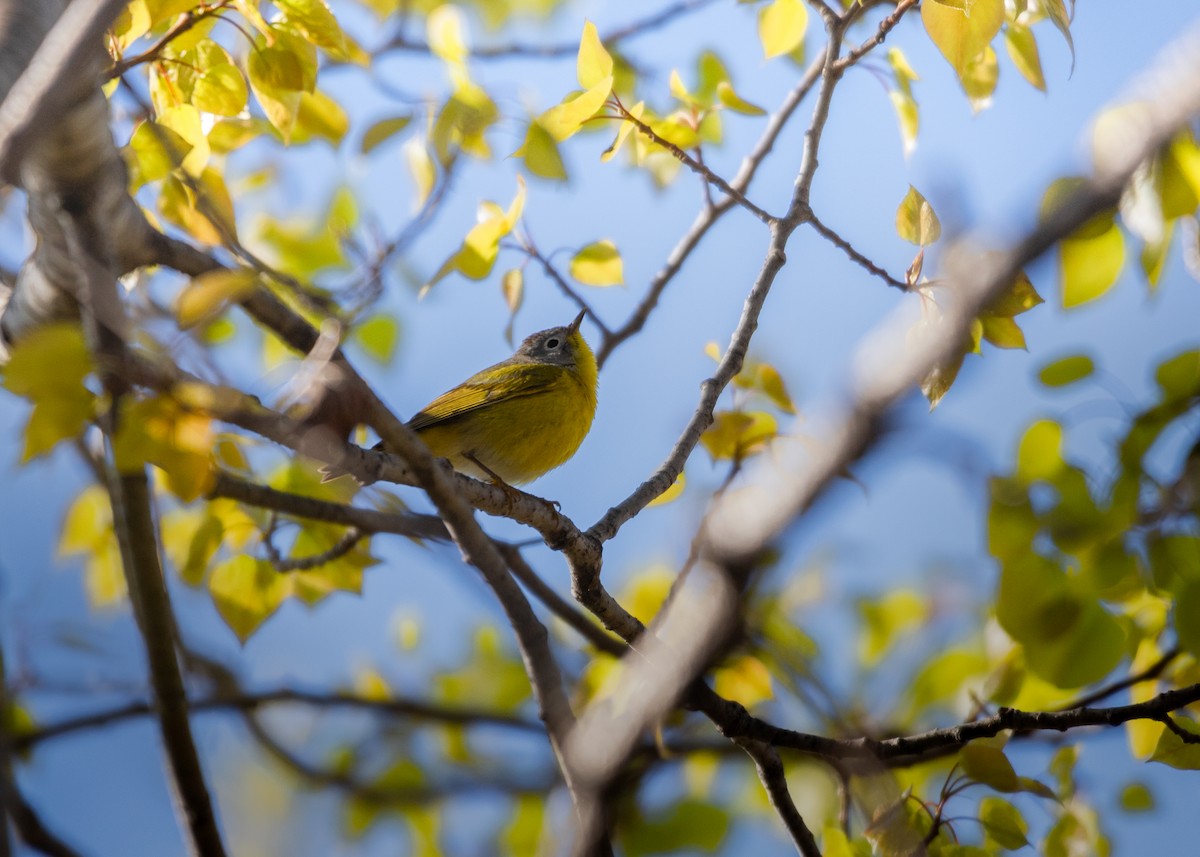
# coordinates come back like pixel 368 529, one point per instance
pixel 781 26
pixel 246 592
pixel 593 65
pixel 962 30
pixel 598 264
pixel 1003 824
pixel 1023 51
pixel 915 219
pixel 207 295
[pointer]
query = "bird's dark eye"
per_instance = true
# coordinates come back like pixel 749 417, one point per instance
pixel 552 342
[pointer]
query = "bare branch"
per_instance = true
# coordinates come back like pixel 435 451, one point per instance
pixel 771 773
pixel 885 26
pixel 858 258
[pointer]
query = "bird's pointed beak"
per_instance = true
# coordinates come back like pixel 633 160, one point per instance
pixel 573 327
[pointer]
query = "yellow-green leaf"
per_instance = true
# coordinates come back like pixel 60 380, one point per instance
pixel 445 28
pixel 781 26
pixel 377 336
pixel 733 101
pixel 320 116
pixel 246 591
pixel 961 30
pixel 916 221
pixel 979 79
pixel 1039 455
pixel 220 89
pixel 598 264
pixel 421 167
pixel 744 679
pixel 1023 51
pixel 671 494
pixel 540 152
pixel 1002 331
pixel 594 65
pixel 1066 371
pixel 1090 264
pixel 736 435
pixel 207 295
pixel 564 120
pixel 382 131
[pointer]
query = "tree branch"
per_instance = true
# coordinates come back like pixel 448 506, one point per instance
pixel 858 258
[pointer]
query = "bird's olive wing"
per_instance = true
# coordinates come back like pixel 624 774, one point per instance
pixel 499 383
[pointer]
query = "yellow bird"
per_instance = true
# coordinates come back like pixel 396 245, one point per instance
pixel 520 418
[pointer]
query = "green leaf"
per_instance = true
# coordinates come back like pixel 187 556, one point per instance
pixel 1174 751
pixel 377 336
pixel 1179 377
pixel 979 79
pixel 206 296
pixel 220 89
pixel 1066 370
pixel 598 264
pixel 1023 51
pixel 1003 824
pixel 156 150
pixel 736 435
pixel 1187 614
pixel 1137 797
pixel 1039 456
pixel 888 619
pixel 734 102
pixel 690 825
pixel 541 154
pixel 781 26
pixel 988 765
pixel 319 116
pixel 246 591
pixel 1090 266
pixel 915 219
pixel 382 131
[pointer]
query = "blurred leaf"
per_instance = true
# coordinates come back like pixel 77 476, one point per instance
pixel 593 65
pixel 988 765
pixel 206 296
pixel 246 591
pixel 736 435
pixel 382 131
pixel 1066 370
pixel 688 825
pixel 377 336
pixel 1137 797
pixel 979 79
pixel 1023 51
pixel 1039 456
pixel 781 26
pixel 1179 376
pixel 671 494
pixel 598 264
pixel 48 366
pixel 744 679
pixel 541 154
pixel 887 619
pixel 1003 824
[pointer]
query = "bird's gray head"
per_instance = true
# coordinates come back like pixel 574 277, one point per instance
pixel 554 345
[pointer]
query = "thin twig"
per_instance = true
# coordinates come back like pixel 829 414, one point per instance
pixel 858 258
pixel 189 20
pixel 692 164
pixel 773 777
pixel 885 26
pixel 1151 672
